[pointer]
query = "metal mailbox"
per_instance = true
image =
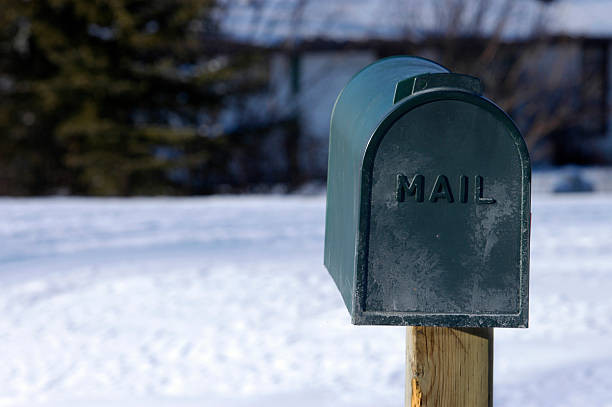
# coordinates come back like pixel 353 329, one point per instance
pixel 428 200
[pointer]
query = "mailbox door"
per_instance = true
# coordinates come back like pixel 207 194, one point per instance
pixel 444 216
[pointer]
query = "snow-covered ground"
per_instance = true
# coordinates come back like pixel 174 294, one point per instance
pixel 224 301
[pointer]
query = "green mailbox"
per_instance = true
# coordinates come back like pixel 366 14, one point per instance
pixel 428 200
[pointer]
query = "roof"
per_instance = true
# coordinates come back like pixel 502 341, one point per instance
pixel 584 18
pixel 272 22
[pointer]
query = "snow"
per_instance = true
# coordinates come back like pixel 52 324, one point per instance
pixel 589 18
pixel 278 21
pixel 224 301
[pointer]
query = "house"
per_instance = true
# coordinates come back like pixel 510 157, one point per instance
pixel 316 47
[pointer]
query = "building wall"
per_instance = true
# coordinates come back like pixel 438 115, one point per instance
pixel 604 146
pixel 307 86
pixel 322 75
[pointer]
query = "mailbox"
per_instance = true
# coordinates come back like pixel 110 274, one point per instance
pixel 428 200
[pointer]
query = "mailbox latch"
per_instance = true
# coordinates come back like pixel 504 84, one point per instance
pixel 427 81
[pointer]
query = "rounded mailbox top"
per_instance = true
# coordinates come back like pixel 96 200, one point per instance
pixel 369 95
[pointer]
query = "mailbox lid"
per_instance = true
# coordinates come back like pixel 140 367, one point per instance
pixel 446 260
pixel 361 106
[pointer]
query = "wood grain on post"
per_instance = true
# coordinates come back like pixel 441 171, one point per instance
pixel 447 367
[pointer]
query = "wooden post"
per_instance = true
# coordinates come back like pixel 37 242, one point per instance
pixel 447 367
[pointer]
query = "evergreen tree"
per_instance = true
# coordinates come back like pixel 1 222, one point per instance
pixel 115 98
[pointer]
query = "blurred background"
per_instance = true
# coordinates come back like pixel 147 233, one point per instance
pixel 201 97
pixel 222 300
